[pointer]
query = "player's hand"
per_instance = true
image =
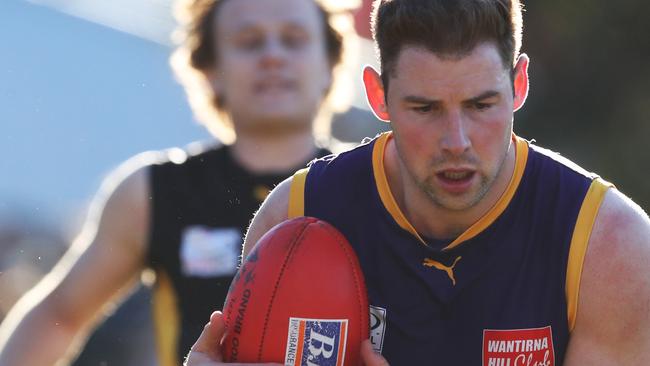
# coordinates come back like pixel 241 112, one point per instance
pixel 207 349
pixel 370 357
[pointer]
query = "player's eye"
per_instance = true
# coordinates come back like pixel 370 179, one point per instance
pixel 249 41
pixel 294 39
pixel 425 108
pixel 479 106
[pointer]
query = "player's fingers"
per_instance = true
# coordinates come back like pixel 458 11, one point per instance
pixel 370 357
pixel 209 342
pixel 218 326
pixel 207 349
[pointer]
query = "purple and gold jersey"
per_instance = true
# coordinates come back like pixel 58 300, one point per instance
pixel 503 293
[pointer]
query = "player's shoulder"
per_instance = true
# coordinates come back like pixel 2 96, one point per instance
pixel 127 186
pixel 195 152
pixel 615 285
pixel 621 225
pixel 133 174
pixel 554 160
pixel 351 160
pixel 618 255
pixel 120 211
pixel 277 203
pixel 274 210
pixel 125 190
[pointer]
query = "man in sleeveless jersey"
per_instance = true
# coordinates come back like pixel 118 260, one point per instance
pixel 478 247
pixel 257 74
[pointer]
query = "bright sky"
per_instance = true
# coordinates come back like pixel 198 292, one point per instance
pixel 148 19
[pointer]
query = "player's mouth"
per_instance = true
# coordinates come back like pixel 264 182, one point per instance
pixel 456 180
pixel 274 86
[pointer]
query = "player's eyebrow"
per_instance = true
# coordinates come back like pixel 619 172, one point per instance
pixel 414 99
pixel 485 95
pixel 252 25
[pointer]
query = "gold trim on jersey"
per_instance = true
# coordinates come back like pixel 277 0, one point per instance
pixel 297 194
pixel 521 157
pixel 384 189
pixel 579 243
pixel 166 320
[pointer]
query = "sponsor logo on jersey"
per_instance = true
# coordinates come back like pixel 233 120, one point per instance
pixel 377 327
pixel 428 262
pixel 313 342
pixel 518 347
pixel 210 252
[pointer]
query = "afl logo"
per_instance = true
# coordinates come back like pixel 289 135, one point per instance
pixel 377 327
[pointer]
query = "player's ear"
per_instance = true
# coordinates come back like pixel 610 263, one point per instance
pixel 520 80
pixel 375 93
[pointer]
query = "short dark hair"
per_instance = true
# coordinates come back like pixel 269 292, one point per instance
pixel 451 28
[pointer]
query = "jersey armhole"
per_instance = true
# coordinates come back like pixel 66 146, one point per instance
pixel 579 243
pixel 297 194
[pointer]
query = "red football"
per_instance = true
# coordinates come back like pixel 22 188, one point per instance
pixel 298 297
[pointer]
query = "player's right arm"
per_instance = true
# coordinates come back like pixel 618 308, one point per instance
pixel 52 319
pixel 273 211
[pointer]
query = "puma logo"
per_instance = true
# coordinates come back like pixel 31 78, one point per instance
pixel 449 270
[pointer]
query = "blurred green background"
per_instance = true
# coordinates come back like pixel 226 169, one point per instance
pixel 590 87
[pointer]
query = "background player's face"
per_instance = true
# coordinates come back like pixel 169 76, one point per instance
pixel 452 119
pixel 273 69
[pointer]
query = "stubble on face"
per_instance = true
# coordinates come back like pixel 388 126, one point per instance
pixel 463 201
pixel 441 85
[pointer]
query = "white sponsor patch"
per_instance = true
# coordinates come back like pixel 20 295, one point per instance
pixel 377 327
pixel 518 347
pixel 319 342
pixel 210 252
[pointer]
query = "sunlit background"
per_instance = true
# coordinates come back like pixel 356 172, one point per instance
pixel 85 84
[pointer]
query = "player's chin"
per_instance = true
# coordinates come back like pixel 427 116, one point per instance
pixel 283 100
pixel 282 110
pixel 283 121
pixel 452 201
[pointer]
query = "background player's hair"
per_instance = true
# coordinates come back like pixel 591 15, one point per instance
pixel 450 28
pixel 196 55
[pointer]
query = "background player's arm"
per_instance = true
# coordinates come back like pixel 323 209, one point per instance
pixel 273 211
pixel 613 319
pixel 52 318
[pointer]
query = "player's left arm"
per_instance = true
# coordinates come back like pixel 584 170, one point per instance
pixel 613 318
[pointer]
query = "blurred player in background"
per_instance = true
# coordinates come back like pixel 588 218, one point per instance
pixel 258 73
pixel 478 247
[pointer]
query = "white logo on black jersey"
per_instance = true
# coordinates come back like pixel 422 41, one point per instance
pixel 210 252
pixel 377 327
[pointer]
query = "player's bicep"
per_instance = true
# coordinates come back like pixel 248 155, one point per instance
pixel 613 321
pixel 273 211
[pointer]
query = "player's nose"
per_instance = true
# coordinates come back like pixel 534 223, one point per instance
pixel 455 138
pixel 274 53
